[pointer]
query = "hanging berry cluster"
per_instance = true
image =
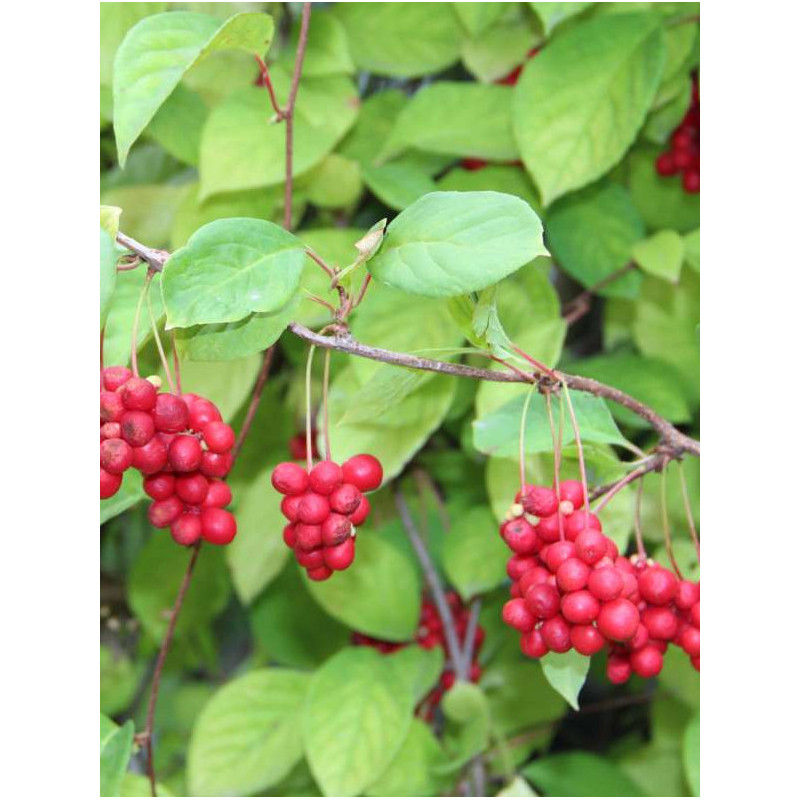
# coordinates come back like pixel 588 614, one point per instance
pixel 684 152
pixel 430 634
pixel 179 444
pixel 324 506
pixel 572 589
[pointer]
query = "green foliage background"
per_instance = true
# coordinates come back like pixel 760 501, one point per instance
pixel 262 694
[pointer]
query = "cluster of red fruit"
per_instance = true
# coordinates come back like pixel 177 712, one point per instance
pixel 180 445
pixel 430 634
pixel 684 153
pixel 324 507
pixel 572 589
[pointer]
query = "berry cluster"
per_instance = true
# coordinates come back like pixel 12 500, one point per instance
pixel 179 444
pixel 572 589
pixel 430 634
pixel 684 153
pixel 324 507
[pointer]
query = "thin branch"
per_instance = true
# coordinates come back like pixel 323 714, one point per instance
pixel 147 736
pixel 263 374
pixel 653 463
pixel 472 629
pixel 267 81
pixel 580 305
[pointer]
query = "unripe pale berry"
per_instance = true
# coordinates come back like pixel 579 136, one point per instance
pixel 219 436
pixel 185 453
pixel 605 583
pixel 116 456
pixel 572 575
pixel 345 499
pixel 647 662
pixel 159 486
pixel 290 478
pixel 363 471
pixel 109 484
pixel 618 620
pixel 580 607
pixel 186 529
pixel 586 639
pixel 341 555
pixel 137 428
pixel 556 634
pixel 517 615
pixel 325 477
pixel 218 525
pixel 657 585
pixel 151 457
pixel 192 488
pixel 171 414
pixel 542 600
pixel 138 394
pixel 335 530
pixel 164 512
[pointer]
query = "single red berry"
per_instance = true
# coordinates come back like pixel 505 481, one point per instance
pixel 575 523
pixel 290 478
pixel 138 394
pixel 647 662
pixel 313 509
pixel 311 559
pixel 605 583
pixel 473 164
pixel 219 436
pixel 580 607
pixel 618 619
pixel 289 506
pixel 517 566
pixel 517 615
pixel 341 555
pixel 661 623
pixel 630 587
pixel 201 412
pixel 114 377
pixel 109 484
pixel 111 407
pixel 192 488
pixel 572 575
pixel 219 525
pixel 640 638
pixel 185 453
pixel 690 642
pixel 137 427
pixel 532 644
pixel 216 465
pixel 590 545
pixel 363 471
pixel 345 499
pixel 556 634
pixel 290 535
pixel 361 513
pixel 687 595
pixel 691 181
pixel 110 430
pixel 159 486
pixel 116 456
pixel 164 512
pixel 475 672
pixel 171 414
pixel 539 500
pixel 542 600
pixel 618 669
pixel 682 159
pixel 335 530
pixel 309 537
pixel 696 663
pixel 657 585
pixel 532 577
pixel 586 639
pixel 325 477
pixel 665 165
pixel 219 494
pixel 681 139
pixel 187 529
pixel 319 573
pixel 558 553
pixel 151 457
pixel 520 536
pixel 694 614
pixel 572 491
pixel 548 529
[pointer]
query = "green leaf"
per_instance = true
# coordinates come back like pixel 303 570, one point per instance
pixel 553 14
pixel 229 269
pixel 334 183
pixel 108 273
pixel 592 234
pixel 401 39
pixel 290 627
pixel 119 680
pixel 496 51
pixel 375 122
pixel 357 716
pixel 477 17
pixel 467 710
pixel 159 50
pixel 135 785
pixel 178 124
pixel 691 243
pixel 518 787
pixel 242 148
pixel 109 220
pixel 249 736
pixel 421 668
pixel 474 557
pixel 691 755
pixel 411 772
pixel 327 52
pixel 660 255
pixel 129 494
pixel 258 553
pixel 380 594
pixel 397 184
pixel 156 577
pixel 579 774
pixel 580 103
pixel 450 243
pixel 115 20
pixel 116 745
pixel 509 180
pixel 149 210
pixel 388 386
pixel 458 119
pixel 497 433
pixel 566 673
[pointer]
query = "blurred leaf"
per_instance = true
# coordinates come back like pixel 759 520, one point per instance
pixel 518 787
pixel 116 745
pixel 130 492
pixel 656 769
pixel 398 184
pixel 401 39
pixel 119 680
pixel 108 273
pixel 660 255
pixel 133 784
pixel 566 673
pixel 357 716
pixel 109 220
pixel 509 180
pixel 115 20
pixel 248 737
pixel 580 103
pixel 178 124
pixel 553 14
pixel 680 678
pixel 388 386
pixel 578 774
pixel 691 243
pixel 419 667
pixel 334 183
pixel 148 210
pixel 467 733
pixel 496 51
pixel 691 755
pixel 375 121
pixel 477 17
pixel 327 52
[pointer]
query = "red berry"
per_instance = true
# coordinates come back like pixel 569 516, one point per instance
pixel 325 477
pixel 137 428
pixel 361 513
pixel 572 575
pixel 159 486
pixel 151 457
pixel 219 495
pixel 185 453
pixel 192 488
pixel 186 529
pixel 556 634
pixel 647 662
pixel 345 499
pixel 138 394
pixel 110 430
pixel 681 139
pixel 618 669
pixel 111 407
pixel 114 377
pixel 219 436
pixel 605 583
pixel 586 639
pixel 548 529
pixel 473 164
pixel 290 535
pixel 618 619
pixel 219 525
pixel 694 614
pixel 320 573
pixel 109 484
pixel 533 645
pixel 517 615
pixel 665 165
pixel 517 566
pixel 533 577
pixel 335 530
pixel 310 559
pixel 289 506
pixel 341 555
pixel 575 523
pixel 558 553
pixel 309 537
pixel 216 465
pixel 640 638
pixel 690 642
pixel 580 607
pixel 661 623
pixel 290 478
pixel 657 585
pixel 691 181
pixel 590 545
pixel 116 456
pixel 572 492
pixel 542 600
pixel 313 509
pixel 682 159
pixel 539 500
pixel 201 412
pixel 363 471
pixel 164 512
pixel 687 595
pixel 171 414
pixel 520 535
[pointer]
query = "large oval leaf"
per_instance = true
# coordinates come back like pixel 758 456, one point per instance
pixel 580 774
pixel 451 243
pixel 581 101
pixel 230 269
pixel 248 737
pixel 566 673
pixel 158 51
pixel 357 715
